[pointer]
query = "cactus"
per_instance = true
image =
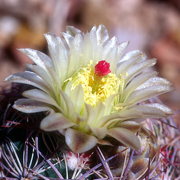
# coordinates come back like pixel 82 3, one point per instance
pixel 88 113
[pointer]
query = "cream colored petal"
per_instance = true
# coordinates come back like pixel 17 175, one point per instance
pixel 79 142
pixel 111 57
pixel 76 55
pixel 71 30
pixel 59 54
pixel 68 106
pixel 93 50
pixel 68 38
pixel 125 136
pixel 91 115
pixel 102 34
pixel 77 97
pixel 38 57
pixel 123 115
pixel 99 132
pixel 41 96
pixel 41 73
pixel 108 120
pixel 120 49
pixel 108 104
pixel 138 81
pixel 94 115
pixel 135 112
pixel 135 54
pixel 92 35
pixel 138 68
pixel 146 93
pixel 130 125
pixel 130 59
pixel 77 42
pixel 30 106
pixel 155 109
pixel 155 81
pixel 109 46
pixel 110 53
pixel 29 78
pixel 55 121
pixel 49 77
pixel 90 49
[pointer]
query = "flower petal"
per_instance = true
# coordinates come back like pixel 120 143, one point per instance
pixel 72 30
pixel 59 54
pixel 154 110
pixel 55 121
pixel 129 60
pixel 109 46
pixel 38 57
pixel 154 81
pixel 102 34
pixel 79 142
pixel 138 68
pixel 110 53
pixel 95 115
pixel 77 97
pixel 99 132
pixel 68 106
pixel 130 125
pixel 68 38
pixel 126 137
pixel 121 47
pixel 146 93
pixel 135 55
pixel 41 73
pixel 29 78
pixel 30 106
pixel 75 60
pixel 138 80
pixel 41 96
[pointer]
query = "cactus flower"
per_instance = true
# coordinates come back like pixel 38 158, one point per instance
pixel 91 89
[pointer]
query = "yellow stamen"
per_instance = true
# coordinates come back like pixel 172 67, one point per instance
pixel 96 89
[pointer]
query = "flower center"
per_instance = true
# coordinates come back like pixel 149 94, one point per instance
pixel 98 82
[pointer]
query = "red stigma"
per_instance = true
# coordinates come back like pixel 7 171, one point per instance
pixel 102 68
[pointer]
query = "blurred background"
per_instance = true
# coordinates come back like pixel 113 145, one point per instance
pixel 152 26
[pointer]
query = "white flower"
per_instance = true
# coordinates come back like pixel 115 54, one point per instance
pixel 91 89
